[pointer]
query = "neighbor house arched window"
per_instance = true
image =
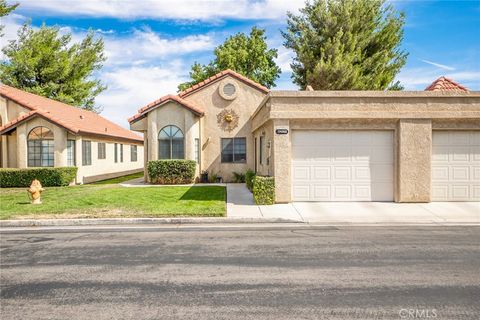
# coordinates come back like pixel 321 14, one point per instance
pixel 171 143
pixel 40 147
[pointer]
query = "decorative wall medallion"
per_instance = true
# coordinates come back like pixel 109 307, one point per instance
pixel 228 89
pixel 227 120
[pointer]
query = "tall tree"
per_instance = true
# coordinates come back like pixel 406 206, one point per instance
pixel 5 9
pixel 46 63
pixel 245 54
pixel 346 45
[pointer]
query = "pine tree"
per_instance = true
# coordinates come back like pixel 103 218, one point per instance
pixel 44 62
pixel 346 45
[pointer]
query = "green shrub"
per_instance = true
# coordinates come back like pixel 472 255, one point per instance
pixel 212 178
pixel 171 171
pixel 239 177
pixel 48 177
pixel 264 190
pixel 249 176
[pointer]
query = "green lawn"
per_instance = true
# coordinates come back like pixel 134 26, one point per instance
pixel 120 179
pixel 90 201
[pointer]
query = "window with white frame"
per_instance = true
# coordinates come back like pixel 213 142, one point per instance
pixel 133 153
pixel 71 162
pixel 102 153
pixel 86 153
pixel 171 143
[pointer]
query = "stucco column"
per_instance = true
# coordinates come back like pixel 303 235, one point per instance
pixel 78 158
pixel 190 136
pixel 5 163
pixel 152 135
pixel 282 161
pixel 414 150
pixel 60 147
pixel 145 156
pixel 22 146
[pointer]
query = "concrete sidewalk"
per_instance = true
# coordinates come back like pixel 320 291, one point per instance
pixel 240 204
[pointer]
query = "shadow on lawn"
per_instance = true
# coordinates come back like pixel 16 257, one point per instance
pixel 213 193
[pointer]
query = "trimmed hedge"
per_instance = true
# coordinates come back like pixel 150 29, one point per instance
pixel 171 171
pixel 48 177
pixel 264 190
pixel 249 176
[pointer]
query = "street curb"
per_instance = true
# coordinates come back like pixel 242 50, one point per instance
pixel 138 221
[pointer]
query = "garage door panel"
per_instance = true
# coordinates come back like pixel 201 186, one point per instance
pixel 301 192
pixel 301 173
pixel 321 173
pixel 382 191
pixel 381 173
pixel 321 192
pixel 440 173
pixel 459 154
pixel 460 173
pixel 355 165
pixel 440 191
pixel 382 154
pixel 341 173
pixel 440 153
pixel 456 166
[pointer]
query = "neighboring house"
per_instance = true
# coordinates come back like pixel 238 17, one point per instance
pixel 325 145
pixel 40 132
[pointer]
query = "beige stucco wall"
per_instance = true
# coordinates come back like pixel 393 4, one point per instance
pixel 243 105
pixel 414 154
pixel 411 115
pixel 101 167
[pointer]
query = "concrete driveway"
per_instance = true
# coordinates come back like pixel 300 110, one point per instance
pixel 240 204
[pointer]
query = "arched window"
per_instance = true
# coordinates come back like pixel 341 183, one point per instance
pixel 171 143
pixel 40 147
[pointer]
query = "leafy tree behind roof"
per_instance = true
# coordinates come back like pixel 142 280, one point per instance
pixel 346 45
pixel 45 62
pixel 248 55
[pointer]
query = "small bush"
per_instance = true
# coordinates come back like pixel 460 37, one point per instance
pixel 48 177
pixel 238 177
pixel 249 176
pixel 212 178
pixel 171 171
pixel 264 190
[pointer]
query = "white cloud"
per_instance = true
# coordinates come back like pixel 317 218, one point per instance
pixel 167 9
pixel 441 66
pixel 144 44
pixel 131 88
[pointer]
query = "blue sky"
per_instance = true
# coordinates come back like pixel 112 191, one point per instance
pixel 151 44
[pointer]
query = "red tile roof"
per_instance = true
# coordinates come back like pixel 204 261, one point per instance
pixel 75 120
pixel 219 76
pixel 161 101
pixel 445 84
pixel 195 109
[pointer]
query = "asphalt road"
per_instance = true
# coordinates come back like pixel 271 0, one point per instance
pixel 272 273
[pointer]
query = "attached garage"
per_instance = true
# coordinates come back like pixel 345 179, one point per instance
pixel 456 166
pixel 342 165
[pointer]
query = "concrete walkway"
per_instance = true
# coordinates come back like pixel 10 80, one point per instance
pixel 240 204
pixel 140 183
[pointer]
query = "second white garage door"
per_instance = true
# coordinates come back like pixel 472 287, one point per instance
pixel 456 166
pixel 342 165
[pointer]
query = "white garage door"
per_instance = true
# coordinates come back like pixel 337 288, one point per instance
pixel 342 165
pixel 456 166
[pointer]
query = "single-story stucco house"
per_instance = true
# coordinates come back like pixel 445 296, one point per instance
pixel 40 132
pixel 398 146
